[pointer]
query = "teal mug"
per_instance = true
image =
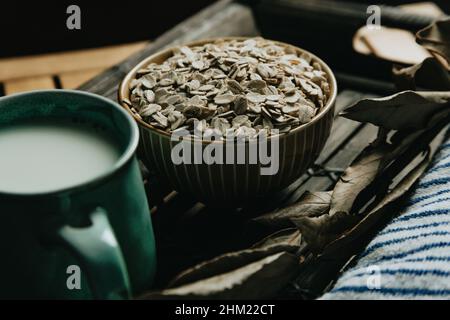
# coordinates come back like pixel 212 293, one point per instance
pixel 89 240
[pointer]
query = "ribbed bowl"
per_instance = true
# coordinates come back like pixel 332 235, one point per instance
pixel 227 184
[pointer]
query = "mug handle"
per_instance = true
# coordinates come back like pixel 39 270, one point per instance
pixel 98 250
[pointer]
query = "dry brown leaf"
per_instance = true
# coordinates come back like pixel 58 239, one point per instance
pixel 366 168
pixel 430 74
pixel 320 231
pixel 261 279
pixel 349 239
pixel 358 176
pixel 436 38
pixel 356 184
pixel 327 266
pixel 284 240
pixel 287 237
pixel 311 204
pixel 402 111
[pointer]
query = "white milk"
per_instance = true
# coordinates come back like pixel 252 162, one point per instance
pixel 45 156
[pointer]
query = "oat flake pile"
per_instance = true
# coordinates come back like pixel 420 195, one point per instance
pixel 237 87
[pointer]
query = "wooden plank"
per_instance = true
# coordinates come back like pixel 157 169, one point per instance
pixel 27 84
pixel 56 63
pixel 353 148
pixel 342 127
pixel 72 80
pixel 343 158
pixel 224 18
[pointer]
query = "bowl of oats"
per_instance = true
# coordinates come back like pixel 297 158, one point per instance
pixel 230 119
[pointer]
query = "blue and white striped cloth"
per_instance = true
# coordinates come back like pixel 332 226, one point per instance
pixel 410 258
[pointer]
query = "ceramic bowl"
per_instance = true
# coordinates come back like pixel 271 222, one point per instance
pixel 233 183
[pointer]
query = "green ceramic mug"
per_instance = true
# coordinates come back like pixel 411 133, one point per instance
pixel 92 240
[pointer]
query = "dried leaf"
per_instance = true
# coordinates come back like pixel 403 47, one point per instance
pixel 370 165
pixel 320 231
pixel 285 240
pixel 287 237
pixel 401 111
pixel 357 177
pixel 261 279
pixel 430 74
pixel 382 210
pixel 327 267
pixel 436 38
pixel 310 205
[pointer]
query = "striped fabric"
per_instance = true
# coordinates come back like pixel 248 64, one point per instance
pixel 410 258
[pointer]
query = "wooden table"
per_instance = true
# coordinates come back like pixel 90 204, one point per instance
pixel 187 231
pixel 65 70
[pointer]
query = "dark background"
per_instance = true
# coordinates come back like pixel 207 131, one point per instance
pixel 327 28
pixel 40 26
